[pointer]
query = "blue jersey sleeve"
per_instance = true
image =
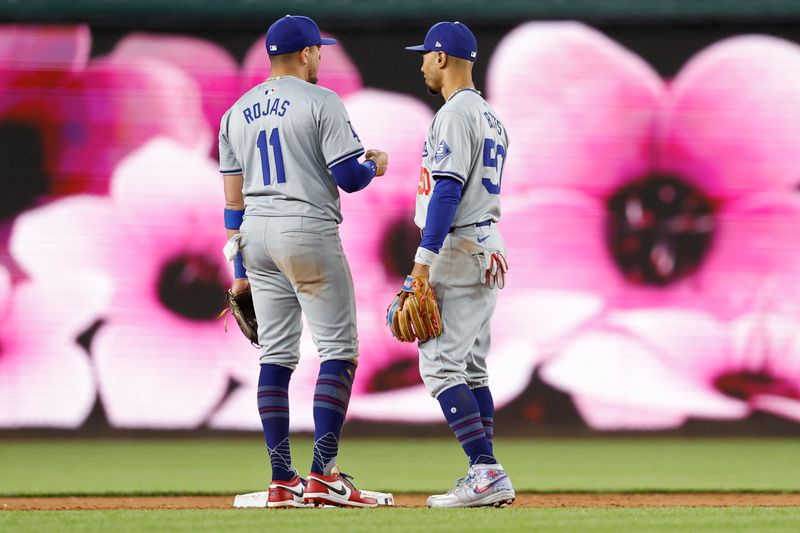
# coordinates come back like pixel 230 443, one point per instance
pixel 352 176
pixel 441 212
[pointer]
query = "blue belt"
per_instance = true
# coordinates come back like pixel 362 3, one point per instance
pixel 478 225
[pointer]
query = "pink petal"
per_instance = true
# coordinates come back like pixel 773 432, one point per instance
pixel 153 376
pixel 777 405
pixel 754 256
pixel 616 368
pixel 336 72
pixel 42 48
pixel 114 108
pixel 579 108
pixel 5 289
pixel 698 353
pixel 606 416
pixel 256 66
pixel 537 323
pixel 768 342
pixel 72 230
pixel 735 119
pixel 212 67
pixel 45 376
pixel 555 241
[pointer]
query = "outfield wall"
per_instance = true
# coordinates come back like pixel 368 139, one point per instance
pixel 650 209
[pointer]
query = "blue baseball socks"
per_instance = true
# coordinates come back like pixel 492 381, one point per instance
pixel 461 410
pixel 486 405
pixel 273 407
pixel 331 398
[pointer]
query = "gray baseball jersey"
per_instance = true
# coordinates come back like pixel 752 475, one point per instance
pixel 284 136
pixel 466 141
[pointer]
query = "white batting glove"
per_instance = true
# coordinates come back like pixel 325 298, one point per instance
pixel 493 267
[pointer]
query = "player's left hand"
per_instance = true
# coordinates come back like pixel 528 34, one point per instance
pixel 493 267
pixel 239 301
pixel 240 285
pixel 414 312
pixel 381 160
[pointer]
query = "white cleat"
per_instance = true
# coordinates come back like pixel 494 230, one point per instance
pixel 485 485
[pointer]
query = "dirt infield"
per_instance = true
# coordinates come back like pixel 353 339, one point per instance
pixel 595 500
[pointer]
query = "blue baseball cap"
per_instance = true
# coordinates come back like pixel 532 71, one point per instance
pixel 293 33
pixel 452 38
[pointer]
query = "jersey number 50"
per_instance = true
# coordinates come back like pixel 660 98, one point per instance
pixel 494 156
pixel 275 142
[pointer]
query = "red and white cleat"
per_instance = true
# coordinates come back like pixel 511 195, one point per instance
pixel 287 493
pixel 335 489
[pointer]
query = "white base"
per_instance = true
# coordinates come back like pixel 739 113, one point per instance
pixel 259 499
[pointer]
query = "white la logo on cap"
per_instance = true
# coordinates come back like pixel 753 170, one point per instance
pixel 438 44
pixel 272 48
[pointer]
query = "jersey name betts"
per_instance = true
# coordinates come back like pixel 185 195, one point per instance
pixel 466 142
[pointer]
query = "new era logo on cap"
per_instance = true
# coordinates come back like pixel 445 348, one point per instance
pixel 473 54
pixel 438 44
pixel 273 48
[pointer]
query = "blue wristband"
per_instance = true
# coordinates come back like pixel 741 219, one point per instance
pixel 373 166
pixel 233 218
pixel 239 272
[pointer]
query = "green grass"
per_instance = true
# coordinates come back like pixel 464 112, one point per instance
pixel 86 467
pixel 761 520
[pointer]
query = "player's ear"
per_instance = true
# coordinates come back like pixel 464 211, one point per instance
pixel 304 55
pixel 441 59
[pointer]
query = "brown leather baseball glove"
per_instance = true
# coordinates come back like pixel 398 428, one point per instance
pixel 240 306
pixel 414 312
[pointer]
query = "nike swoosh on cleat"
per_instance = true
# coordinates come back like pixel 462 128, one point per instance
pixel 481 239
pixel 340 492
pixel 299 494
pixel 481 490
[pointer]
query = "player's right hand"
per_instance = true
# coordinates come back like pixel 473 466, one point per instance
pixel 381 159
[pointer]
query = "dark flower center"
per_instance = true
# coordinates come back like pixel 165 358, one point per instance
pixel 21 167
pixel 191 285
pixel 398 246
pixel 745 384
pixel 402 372
pixel 659 229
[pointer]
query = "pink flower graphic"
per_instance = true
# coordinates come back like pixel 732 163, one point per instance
pixel 45 375
pixel 643 192
pixel 161 357
pixel 674 198
pixel 632 372
pixel 69 120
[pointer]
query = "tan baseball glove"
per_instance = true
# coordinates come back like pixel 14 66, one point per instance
pixel 414 312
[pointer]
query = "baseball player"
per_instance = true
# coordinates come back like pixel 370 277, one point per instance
pixel 284 147
pixel 462 256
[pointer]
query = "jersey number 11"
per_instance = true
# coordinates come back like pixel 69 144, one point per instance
pixel 275 142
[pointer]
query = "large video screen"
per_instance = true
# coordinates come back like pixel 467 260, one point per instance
pixel 651 224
